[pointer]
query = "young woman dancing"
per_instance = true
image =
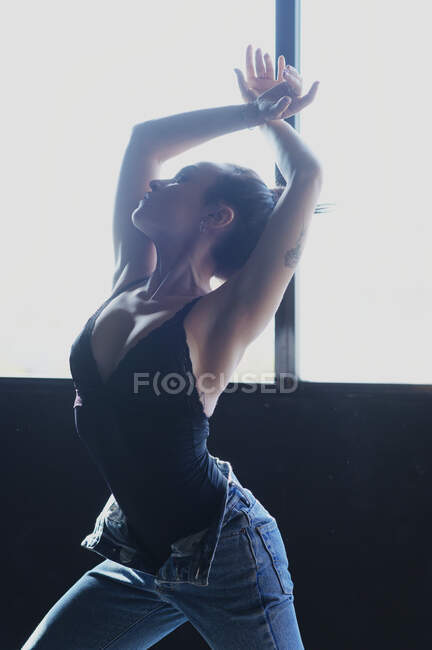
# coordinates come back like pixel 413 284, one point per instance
pixel 182 539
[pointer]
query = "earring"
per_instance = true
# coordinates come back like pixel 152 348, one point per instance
pixel 202 227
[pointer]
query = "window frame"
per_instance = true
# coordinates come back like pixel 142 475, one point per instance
pixel 287 43
pixel 287 18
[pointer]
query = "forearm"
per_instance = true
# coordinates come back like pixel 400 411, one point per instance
pixel 293 156
pixel 172 135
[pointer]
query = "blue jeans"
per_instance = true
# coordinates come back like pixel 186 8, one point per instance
pixel 246 603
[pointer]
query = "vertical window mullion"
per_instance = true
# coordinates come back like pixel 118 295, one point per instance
pixel 287 43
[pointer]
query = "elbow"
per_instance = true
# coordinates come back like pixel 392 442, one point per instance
pixel 311 173
pixel 143 128
pixel 311 169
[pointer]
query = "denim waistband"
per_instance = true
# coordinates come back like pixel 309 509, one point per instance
pixel 191 557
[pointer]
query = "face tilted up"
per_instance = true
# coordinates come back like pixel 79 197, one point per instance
pixel 175 206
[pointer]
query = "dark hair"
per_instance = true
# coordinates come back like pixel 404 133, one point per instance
pixel 253 202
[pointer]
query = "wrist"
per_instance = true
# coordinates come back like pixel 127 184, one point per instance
pixel 252 115
pixel 270 123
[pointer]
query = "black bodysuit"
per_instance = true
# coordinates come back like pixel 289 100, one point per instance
pixel 146 430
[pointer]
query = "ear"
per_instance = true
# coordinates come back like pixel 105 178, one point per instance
pixel 221 216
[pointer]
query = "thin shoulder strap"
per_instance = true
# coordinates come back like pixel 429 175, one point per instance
pixel 181 314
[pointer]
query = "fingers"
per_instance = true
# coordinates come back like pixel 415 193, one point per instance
pixel 269 66
pixel 300 102
pixel 281 67
pixel 293 71
pixel 250 72
pixel 294 79
pixel 259 63
pixel 247 94
pixel 280 107
pixel 309 97
pixel 240 81
pixel 284 102
pixel 265 69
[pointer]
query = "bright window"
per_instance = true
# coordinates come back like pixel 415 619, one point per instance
pixel 76 78
pixel 364 284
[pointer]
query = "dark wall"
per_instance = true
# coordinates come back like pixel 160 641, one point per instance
pixel 345 469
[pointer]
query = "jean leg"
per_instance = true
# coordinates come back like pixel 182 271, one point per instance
pixel 249 602
pixel 110 606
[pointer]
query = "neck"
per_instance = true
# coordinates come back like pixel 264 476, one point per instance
pixel 177 275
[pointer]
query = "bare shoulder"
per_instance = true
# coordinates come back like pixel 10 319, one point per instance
pixel 130 275
pixel 207 316
pixel 237 312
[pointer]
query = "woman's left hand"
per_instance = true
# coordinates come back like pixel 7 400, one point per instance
pixel 264 78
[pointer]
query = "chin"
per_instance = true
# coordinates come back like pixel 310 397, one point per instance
pixel 137 217
pixel 142 224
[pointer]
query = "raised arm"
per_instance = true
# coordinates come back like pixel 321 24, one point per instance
pixel 249 299
pixel 134 252
pixel 254 294
pixel 152 143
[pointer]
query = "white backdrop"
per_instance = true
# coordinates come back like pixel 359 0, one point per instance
pixel 364 284
pixel 75 78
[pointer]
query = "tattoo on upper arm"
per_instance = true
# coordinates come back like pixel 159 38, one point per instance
pixel 292 256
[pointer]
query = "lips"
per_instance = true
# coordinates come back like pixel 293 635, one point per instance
pixel 144 199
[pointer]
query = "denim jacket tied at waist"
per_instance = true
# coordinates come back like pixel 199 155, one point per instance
pixel 191 557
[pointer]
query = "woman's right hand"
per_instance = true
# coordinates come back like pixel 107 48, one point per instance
pixel 275 103
pixel 281 99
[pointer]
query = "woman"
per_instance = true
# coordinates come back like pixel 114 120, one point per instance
pixel 182 539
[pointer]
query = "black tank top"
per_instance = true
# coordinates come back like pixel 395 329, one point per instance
pixel 146 430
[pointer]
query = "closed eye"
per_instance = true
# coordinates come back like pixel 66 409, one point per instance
pixel 184 173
